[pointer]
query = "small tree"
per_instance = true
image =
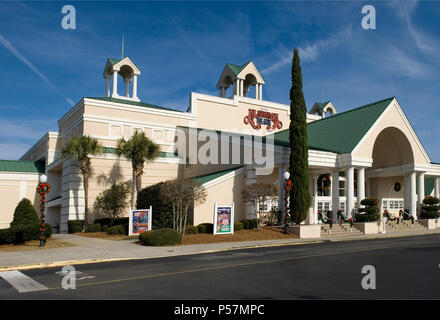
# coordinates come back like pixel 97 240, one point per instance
pixel 182 194
pixel 430 208
pixel 112 202
pixel 162 210
pixel 24 214
pixel 259 193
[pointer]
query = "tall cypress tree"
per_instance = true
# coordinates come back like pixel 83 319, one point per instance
pixel 299 153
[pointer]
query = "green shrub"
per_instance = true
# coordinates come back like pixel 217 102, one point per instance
pixel 367 217
pixel 162 211
pixel 191 230
pixel 112 202
pixel 206 228
pixel 160 237
pixel 7 236
pixel 75 226
pixel 108 221
pixel 430 201
pixel 238 226
pixel 104 228
pixel 24 214
pixel 30 232
pixel 371 211
pixel 117 230
pixel 96 227
pixel 370 202
pixel 250 224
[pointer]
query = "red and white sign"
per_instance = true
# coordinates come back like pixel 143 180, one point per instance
pixel 256 118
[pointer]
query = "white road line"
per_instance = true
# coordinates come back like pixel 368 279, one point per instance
pixel 21 282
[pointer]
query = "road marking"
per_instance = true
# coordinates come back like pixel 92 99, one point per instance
pixel 21 282
pixel 242 265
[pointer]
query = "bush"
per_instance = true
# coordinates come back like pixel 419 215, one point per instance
pixel 162 211
pixel 117 230
pixel 112 202
pixel 108 221
pixel 250 224
pixel 24 214
pixel 430 208
pixel 104 228
pixel 94 227
pixel 7 236
pixel 75 226
pixel 191 230
pixel 430 201
pixel 238 226
pixel 160 237
pixel 206 228
pixel 30 232
pixel 371 211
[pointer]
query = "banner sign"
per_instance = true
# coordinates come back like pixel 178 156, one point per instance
pixel 256 118
pixel 140 221
pixel 223 219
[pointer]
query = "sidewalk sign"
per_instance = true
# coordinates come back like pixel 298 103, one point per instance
pixel 140 221
pixel 223 219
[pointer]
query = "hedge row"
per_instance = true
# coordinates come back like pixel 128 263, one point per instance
pixel 250 224
pixel 23 233
pixel 160 237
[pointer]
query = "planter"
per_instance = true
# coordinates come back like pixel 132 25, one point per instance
pixel 368 227
pixel 306 231
pixel 429 223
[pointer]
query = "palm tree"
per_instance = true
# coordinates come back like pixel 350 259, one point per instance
pixel 137 149
pixel 80 148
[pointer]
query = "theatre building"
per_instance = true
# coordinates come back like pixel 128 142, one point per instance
pixel 368 151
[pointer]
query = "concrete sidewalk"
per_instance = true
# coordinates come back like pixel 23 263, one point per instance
pixel 92 250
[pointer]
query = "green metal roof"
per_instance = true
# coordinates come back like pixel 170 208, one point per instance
pixel 341 132
pixel 113 61
pixel 429 186
pixel 162 154
pixel 132 103
pixel 237 69
pixel 22 166
pixel 211 176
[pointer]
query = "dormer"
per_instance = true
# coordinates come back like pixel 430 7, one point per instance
pixel 129 73
pixel 323 109
pixel 242 78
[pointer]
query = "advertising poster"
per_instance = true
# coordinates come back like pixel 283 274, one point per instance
pixel 223 219
pixel 140 221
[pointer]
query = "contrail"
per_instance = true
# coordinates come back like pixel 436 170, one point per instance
pixel 23 59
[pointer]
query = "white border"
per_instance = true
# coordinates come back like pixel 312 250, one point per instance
pixel 215 219
pixel 130 225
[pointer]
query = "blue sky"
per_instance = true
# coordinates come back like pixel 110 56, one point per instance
pixel 183 46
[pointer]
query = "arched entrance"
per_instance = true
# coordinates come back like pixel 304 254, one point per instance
pixel 389 177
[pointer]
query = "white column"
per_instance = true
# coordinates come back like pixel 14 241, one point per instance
pixel 421 192
pixel 412 195
pixel 241 87
pixel 135 84
pixel 260 91
pixel 115 84
pixel 107 86
pixel 436 187
pixel 127 87
pixel 349 173
pixel 360 186
pixel 335 193
pixel 236 86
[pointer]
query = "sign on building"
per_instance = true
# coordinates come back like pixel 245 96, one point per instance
pixel 223 219
pixel 140 221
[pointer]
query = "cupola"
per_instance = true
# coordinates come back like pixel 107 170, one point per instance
pixel 129 73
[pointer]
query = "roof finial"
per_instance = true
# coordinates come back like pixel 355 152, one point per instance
pixel 122 45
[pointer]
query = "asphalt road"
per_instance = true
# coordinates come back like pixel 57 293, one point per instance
pixel 406 268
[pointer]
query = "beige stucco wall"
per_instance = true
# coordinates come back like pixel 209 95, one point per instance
pixel 223 193
pixel 390 118
pixel 12 190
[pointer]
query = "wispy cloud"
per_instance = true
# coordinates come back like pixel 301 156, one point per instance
pixel 310 51
pixel 23 59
